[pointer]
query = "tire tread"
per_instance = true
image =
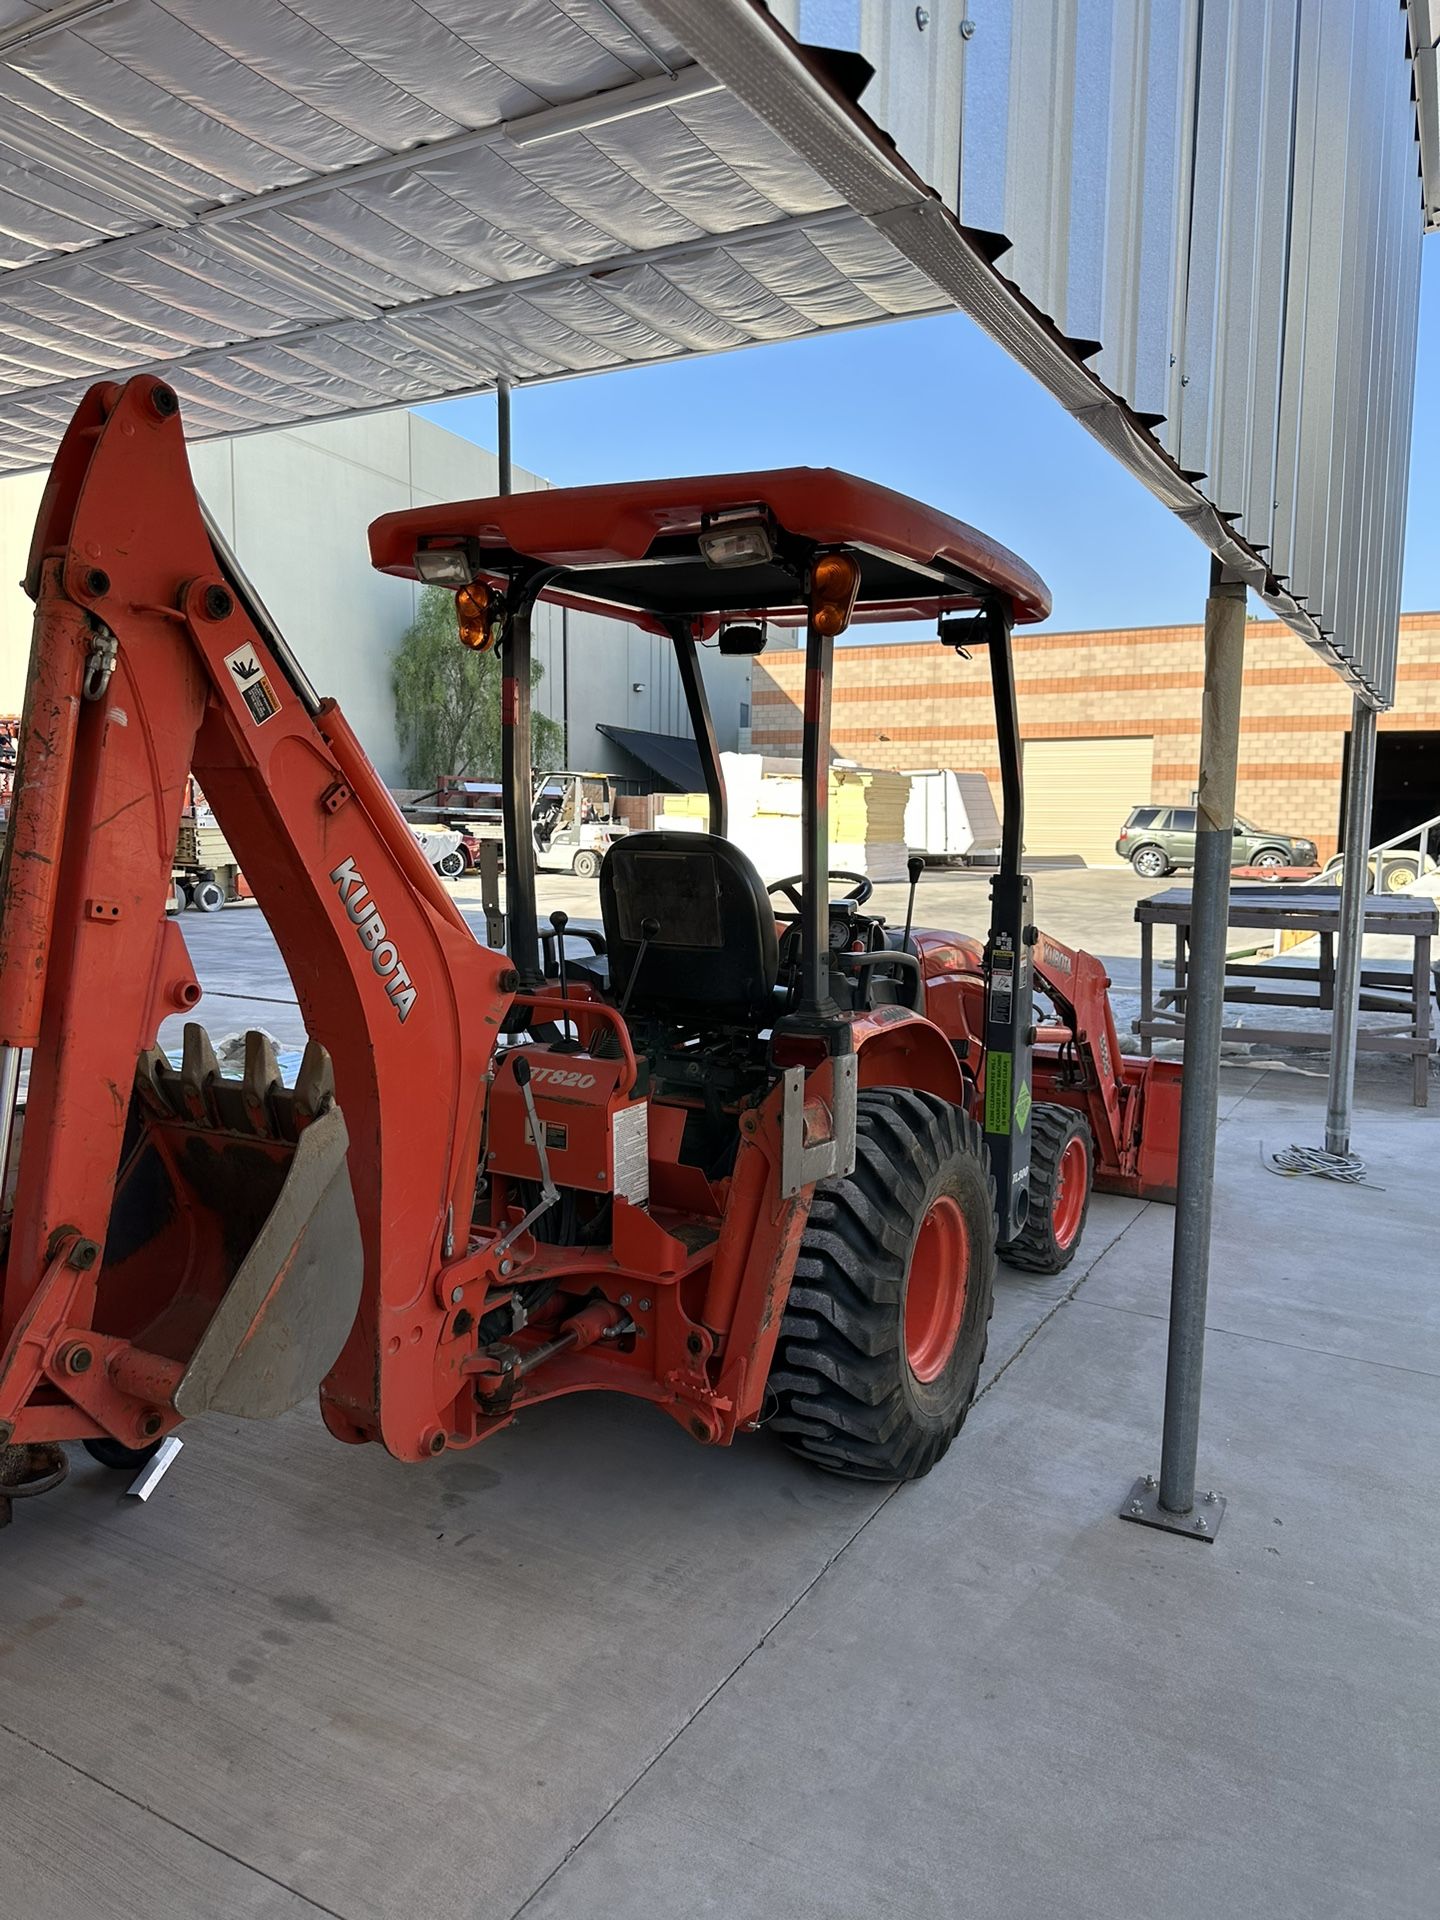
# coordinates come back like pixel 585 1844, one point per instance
pixel 1034 1249
pixel 839 1371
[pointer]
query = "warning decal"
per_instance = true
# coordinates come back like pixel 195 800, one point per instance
pixel 1002 980
pixel 1022 1107
pixel 254 684
pixel 998 1081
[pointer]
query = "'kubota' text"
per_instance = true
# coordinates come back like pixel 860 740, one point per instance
pixel 384 957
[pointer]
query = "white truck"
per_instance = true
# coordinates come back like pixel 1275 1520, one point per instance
pixel 951 817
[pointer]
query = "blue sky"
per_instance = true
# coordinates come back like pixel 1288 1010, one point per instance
pixel 935 409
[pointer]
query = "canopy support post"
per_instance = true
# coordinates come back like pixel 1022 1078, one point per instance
pixel 697 704
pixel 502 435
pixel 1354 886
pixel 1172 1504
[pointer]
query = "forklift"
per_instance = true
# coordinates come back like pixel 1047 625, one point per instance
pixel 575 817
pixel 749 1156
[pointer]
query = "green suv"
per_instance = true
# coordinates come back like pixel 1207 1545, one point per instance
pixel 1156 840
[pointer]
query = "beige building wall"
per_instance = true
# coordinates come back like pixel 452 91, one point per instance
pixel 19 504
pixel 295 505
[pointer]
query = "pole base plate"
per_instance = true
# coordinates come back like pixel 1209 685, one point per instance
pixel 1142 1505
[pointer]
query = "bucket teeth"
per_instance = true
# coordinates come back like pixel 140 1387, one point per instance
pixel 260 1081
pixel 154 1077
pixel 257 1103
pixel 199 1070
pixel 314 1091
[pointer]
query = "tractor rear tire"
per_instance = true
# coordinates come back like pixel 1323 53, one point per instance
pixel 889 1311
pixel 1062 1172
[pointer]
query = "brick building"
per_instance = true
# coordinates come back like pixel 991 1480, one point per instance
pixel 1112 719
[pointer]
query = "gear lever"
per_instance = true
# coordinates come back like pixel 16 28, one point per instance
pixel 559 920
pixel 914 866
pixel 649 930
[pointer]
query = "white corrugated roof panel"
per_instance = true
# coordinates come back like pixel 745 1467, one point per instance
pixel 300 208
pixel 298 211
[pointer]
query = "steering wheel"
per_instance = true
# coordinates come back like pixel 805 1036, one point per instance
pixel 859 893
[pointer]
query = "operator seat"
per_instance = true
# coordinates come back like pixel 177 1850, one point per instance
pixel 716 958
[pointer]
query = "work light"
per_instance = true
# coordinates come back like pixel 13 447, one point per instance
pixel 444 566
pixel 747 545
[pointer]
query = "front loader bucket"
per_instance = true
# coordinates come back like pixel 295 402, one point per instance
pixel 1159 1148
pixel 234 1261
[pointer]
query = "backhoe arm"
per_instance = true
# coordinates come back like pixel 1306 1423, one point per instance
pixel 177 1240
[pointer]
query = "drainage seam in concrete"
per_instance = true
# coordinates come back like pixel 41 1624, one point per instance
pixel 1063 1301
pixel 804 1593
pixel 1269 1340
pixel 719 1687
pixel 141 1806
pixel 260 999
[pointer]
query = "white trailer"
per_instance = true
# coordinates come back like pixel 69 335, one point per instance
pixel 951 816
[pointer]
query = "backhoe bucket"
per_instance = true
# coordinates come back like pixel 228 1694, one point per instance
pixel 234 1258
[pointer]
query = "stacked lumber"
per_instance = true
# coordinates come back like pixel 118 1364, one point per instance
pixel 867 815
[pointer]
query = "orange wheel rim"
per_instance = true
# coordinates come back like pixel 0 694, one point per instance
pixel 1069 1192
pixel 936 1289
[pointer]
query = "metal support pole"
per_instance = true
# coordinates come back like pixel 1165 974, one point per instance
pixel 697 704
pixel 1172 1505
pixel 502 431
pixel 1354 885
pixel 516 778
pixel 1009 973
pixel 815 825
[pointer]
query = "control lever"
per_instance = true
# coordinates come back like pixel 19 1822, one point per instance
pixel 549 1192
pixel 559 920
pixel 914 866
pixel 649 930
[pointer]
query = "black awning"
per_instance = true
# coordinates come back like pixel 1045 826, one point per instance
pixel 671 757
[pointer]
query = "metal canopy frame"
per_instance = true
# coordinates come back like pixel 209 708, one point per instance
pixel 638 549
pixel 337 210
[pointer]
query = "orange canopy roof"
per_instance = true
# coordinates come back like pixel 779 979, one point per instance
pixel 630 549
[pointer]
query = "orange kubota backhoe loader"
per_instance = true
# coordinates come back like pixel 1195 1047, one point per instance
pixel 750 1154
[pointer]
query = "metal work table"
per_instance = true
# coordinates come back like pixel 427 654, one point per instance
pixel 1274 983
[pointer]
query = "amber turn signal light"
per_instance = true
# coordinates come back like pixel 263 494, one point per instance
pixel 834 583
pixel 474 610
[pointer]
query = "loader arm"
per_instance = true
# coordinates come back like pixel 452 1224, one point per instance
pixel 1132 1105
pixel 162 1219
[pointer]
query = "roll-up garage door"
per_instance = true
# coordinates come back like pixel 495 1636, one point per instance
pixel 1078 792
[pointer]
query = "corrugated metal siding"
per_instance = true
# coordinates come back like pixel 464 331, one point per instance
pixel 301 208
pixel 1220 206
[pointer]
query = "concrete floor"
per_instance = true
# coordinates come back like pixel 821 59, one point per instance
pixel 595 1670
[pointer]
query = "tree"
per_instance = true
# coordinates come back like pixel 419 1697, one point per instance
pixel 447 700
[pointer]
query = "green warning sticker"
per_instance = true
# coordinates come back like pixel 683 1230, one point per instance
pixel 1022 1107
pixel 998 1081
